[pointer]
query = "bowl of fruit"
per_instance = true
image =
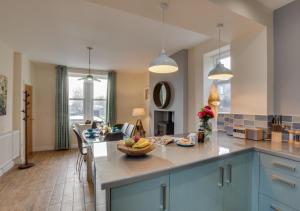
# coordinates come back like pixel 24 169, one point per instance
pixel 135 146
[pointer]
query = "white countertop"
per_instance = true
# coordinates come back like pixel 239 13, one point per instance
pixel 113 168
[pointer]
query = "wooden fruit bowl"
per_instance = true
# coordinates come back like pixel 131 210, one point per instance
pixel 134 152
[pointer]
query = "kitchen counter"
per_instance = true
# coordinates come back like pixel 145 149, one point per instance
pixel 114 168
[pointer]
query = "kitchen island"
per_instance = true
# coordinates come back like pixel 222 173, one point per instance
pixel 220 174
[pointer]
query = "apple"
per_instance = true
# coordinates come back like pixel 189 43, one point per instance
pixel 136 138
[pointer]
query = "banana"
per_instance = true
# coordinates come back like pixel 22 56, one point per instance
pixel 142 143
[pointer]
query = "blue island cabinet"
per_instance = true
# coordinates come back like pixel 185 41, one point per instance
pixel 147 195
pixel 221 185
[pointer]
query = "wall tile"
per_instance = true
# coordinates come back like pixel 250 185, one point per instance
pixel 238 116
pixel 287 118
pixel 248 123
pixel 296 119
pixel 296 126
pixel 261 124
pixel 238 122
pixel 249 117
pixel 261 118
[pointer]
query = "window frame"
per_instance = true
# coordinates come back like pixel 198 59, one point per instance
pixel 215 59
pixel 88 97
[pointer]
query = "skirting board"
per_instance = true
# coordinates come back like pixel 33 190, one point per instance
pixel 6 167
pixel 50 148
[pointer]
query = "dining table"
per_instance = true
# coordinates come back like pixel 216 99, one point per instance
pixel 89 141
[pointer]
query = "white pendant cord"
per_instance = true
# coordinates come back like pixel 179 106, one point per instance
pixel 220 25
pixel 219 44
pixel 164 6
pixel 89 48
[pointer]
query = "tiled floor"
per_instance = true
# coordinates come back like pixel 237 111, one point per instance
pixel 52 184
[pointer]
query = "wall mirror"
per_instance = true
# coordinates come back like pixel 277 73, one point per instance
pixel 162 94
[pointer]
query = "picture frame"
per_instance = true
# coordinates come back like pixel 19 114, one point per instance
pixel 3 95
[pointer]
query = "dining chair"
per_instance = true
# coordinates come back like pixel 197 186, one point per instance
pixel 117 136
pixel 129 130
pixel 82 153
pixel 94 124
pixel 124 128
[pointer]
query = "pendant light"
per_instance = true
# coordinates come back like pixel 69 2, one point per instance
pixel 163 63
pixel 89 77
pixel 220 72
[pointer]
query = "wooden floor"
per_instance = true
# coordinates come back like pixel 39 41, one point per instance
pixel 52 184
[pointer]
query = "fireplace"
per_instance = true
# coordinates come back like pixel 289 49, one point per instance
pixel 163 123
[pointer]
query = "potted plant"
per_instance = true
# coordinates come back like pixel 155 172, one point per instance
pixel 205 129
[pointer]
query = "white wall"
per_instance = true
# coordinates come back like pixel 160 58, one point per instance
pixel 9 139
pixel 44 86
pixel 178 82
pixel 255 11
pixel 130 89
pixel 249 84
pixel 287 71
pixel 6 69
pixel 196 88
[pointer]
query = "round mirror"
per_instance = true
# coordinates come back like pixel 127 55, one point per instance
pixel 162 94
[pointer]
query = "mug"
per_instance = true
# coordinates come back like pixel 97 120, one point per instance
pixel 193 137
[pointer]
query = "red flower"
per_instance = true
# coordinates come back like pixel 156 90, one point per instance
pixel 207 107
pixel 206 113
pixel 201 114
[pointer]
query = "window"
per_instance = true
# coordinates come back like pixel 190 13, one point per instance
pixel 87 99
pixel 99 99
pixel 76 98
pixel 224 87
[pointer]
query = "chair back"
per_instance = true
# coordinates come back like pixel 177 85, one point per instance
pixel 124 128
pixel 79 140
pixel 94 124
pixel 114 136
pixel 129 130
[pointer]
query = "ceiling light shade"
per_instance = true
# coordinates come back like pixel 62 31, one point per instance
pixel 220 72
pixel 163 64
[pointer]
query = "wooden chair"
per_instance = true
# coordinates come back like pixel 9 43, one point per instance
pixel 82 153
pixel 129 130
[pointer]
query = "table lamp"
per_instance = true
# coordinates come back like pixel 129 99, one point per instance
pixel 139 129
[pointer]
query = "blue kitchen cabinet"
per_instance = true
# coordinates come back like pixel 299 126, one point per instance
pixel 197 188
pixel 237 191
pixel 146 195
pixel 223 185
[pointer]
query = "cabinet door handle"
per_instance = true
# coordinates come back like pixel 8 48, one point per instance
pixel 274 208
pixel 163 189
pixel 221 179
pixel 276 178
pixel 229 174
pixel 285 166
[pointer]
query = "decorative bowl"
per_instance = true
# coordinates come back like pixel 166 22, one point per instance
pixel 134 152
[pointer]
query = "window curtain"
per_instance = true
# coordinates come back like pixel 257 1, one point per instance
pixel 111 98
pixel 62 109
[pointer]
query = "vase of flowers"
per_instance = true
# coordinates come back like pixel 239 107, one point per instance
pixel 205 129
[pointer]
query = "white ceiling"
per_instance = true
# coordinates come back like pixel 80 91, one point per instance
pixel 274 4
pixel 125 35
pixel 58 31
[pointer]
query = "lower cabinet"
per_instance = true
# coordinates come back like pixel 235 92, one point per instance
pixel 268 204
pixel 147 195
pixel 220 185
pixel 238 182
pixel 197 188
